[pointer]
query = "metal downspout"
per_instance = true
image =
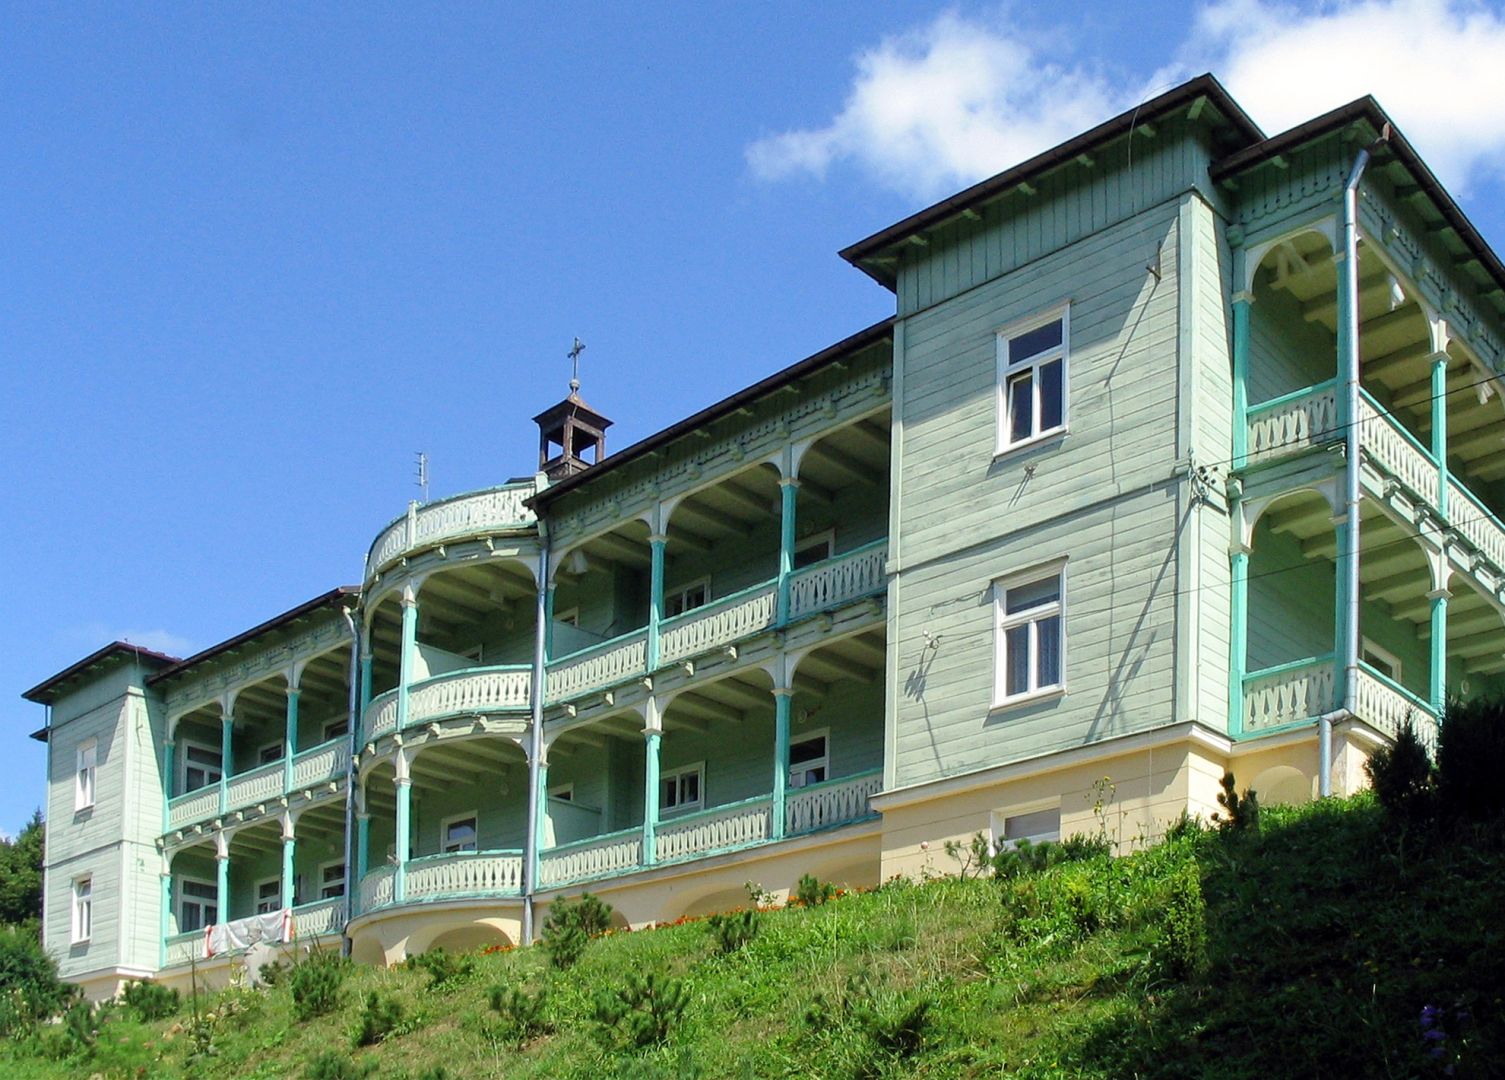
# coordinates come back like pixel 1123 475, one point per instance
pixel 346 908
pixel 535 734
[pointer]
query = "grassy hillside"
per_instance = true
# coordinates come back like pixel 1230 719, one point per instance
pixel 1328 943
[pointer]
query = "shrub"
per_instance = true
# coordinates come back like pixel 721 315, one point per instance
pixel 333 1065
pixel 1179 950
pixel 522 1013
pixel 148 1001
pixel 1470 759
pixel 733 929
pixel 812 892
pixel 1061 906
pixel 645 1009
pixel 1240 812
pixel 379 1020
pixel 571 925
pixel 81 1026
pixel 1401 775
pixel 443 968
pixel 873 1023
pixel 315 984
pixel 29 982
pixel 1026 857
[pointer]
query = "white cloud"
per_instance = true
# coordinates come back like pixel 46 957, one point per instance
pixel 1436 66
pixel 93 635
pixel 959 99
pixel 943 106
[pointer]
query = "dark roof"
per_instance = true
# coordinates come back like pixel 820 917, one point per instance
pixel 49 690
pixel 1170 101
pixel 879 331
pixel 1367 110
pixel 331 598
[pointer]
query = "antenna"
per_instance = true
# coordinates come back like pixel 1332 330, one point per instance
pixel 423 475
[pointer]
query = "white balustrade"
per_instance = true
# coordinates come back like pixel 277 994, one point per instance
pixel 195 806
pixel 720 829
pixel 377 888
pixel 472 691
pixel 1288 694
pixel 468 873
pixel 319 765
pixel 1476 524
pixel 591 858
pixel 183 948
pixel 838 580
pixel 1386 708
pixel 718 623
pixel 258 785
pixel 495 510
pixel 1396 452
pixel 317 919
pixel 1292 424
pixel 833 803
pixel 600 666
pixel 381 716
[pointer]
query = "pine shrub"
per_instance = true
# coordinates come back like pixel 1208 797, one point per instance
pixel 315 983
pixel 522 1013
pixel 333 1065
pixel 571 925
pixel 443 968
pixel 1240 813
pixel 812 892
pixel 1470 759
pixel 1401 775
pixel 380 1019
pixel 733 929
pixel 645 1009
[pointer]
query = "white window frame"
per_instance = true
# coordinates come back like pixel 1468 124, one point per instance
pixel 324 883
pixel 1008 368
pixel 676 775
pixel 1385 656
pixel 998 826
pixel 678 595
pixel 82 921
pixel 826 539
pixel 203 903
pixel 822 762
pixel 471 816
pixel 85 775
pixel 1002 623
pixel 261 753
pixel 183 765
pixel 276 883
pixel 566 792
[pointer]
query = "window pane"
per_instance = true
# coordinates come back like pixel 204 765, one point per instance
pixel 1016 650
pixel 1021 407
pixel 1035 594
pixel 690 787
pixel 199 889
pixel 1048 644
pixel 460 835
pixel 1052 400
pixel 1038 824
pixel 668 794
pixel 807 750
pixel 1034 341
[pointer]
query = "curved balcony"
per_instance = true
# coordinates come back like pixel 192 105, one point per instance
pixel 454 876
pixel 476 513
pixel 1299 692
pixel 467 692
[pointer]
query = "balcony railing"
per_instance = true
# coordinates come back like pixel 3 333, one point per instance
pixel 381 716
pixel 839 580
pixel 318 919
pixel 1288 694
pixel 194 806
pixel 597 856
pixel 1386 706
pixel 835 802
pixel 1293 422
pixel 598 666
pixel 377 888
pixel 249 788
pixel 316 765
pixel 320 764
pixel 1396 451
pixel 718 623
pixel 468 873
pixel 722 828
pixel 1476 523
pixel 182 948
pixel 476 513
pixel 474 690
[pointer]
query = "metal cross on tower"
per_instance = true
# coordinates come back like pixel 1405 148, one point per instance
pixel 574 355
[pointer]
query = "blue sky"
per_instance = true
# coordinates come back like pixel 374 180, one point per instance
pixel 253 262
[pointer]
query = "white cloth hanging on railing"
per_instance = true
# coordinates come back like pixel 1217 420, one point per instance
pixel 273 927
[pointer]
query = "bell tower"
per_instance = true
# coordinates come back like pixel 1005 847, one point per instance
pixel 571 435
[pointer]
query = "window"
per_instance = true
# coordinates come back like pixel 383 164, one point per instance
pixel 1382 660
pixel 808 760
pixel 269 753
pixel 331 880
pixel 83 909
pixel 1031 640
pixel 1032 379
pixel 688 598
pixel 458 833
pixel 680 789
pixel 201 766
pixel 83 788
pixel 563 792
pixel 1037 826
pixel 268 896
pixel 812 549
pixel 336 728
pixel 197 905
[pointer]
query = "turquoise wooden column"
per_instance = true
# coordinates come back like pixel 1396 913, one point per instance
pixel 362 853
pixel 540 823
pixel 169 780
pixel 226 760
pixel 1340 614
pixel 222 878
pixel 404 784
pixel 656 543
pixel 409 650
pixel 1437 683
pixel 1440 428
pixel 289 850
pixel 652 737
pixel 782 696
pixel 1242 302
pixel 1238 633
pixel 788 491
pixel 366 662
pixel 291 737
pixel 166 919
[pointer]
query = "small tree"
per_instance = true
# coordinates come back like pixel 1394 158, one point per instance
pixel 28 980
pixel 1240 812
pixel 812 892
pixel 1401 775
pixel 571 925
pixel 522 1013
pixel 21 874
pixel 379 1019
pixel 315 984
pixel 733 929
pixel 645 1009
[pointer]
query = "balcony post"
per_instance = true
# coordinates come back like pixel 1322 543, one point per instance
pixel 362 850
pixel 653 734
pixel 366 662
pixel 289 846
pixel 548 620
pixel 782 696
pixel 1242 302
pixel 226 758
pixel 656 543
pixel 169 777
pixel 1341 614
pixel 409 650
pixel 541 820
pixel 1440 428
pixel 221 877
pixel 1437 683
pixel 404 783
pixel 291 738
pixel 166 915
pixel 788 491
pixel 1238 632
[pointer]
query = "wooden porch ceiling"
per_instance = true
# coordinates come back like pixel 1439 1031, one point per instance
pixel 454 600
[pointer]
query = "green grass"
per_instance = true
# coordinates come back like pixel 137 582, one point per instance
pixel 1327 934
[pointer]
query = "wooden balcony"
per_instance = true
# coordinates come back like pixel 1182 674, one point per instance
pixel 1297 693
pixel 457 693
pixel 321 918
pixel 477 513
pixel 317 765
pixel 451 876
